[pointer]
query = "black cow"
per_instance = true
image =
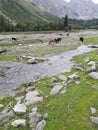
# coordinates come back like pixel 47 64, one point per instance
pixel 81 39
pixel 58 40
pixel 14 39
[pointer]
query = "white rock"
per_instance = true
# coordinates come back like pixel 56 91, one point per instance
pixel 63 91
pixel 94 75
pixel 33 97
pixel 34 118
pixel 41 125
pixel 18 122
pixel 56 89
pixel 20 108
pixel 93 110
pixel 1 106
pixel 45 116
pixel 73 76
pixel 94 119
pixel 91 63
pixel 35 109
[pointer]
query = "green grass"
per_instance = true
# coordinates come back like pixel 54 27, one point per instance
pixel 91 40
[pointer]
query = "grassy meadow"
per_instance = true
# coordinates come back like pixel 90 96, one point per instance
pixel 69 111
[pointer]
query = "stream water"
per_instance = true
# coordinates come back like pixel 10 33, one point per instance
pixel 18 73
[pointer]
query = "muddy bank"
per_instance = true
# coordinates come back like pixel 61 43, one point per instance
pixel 14 74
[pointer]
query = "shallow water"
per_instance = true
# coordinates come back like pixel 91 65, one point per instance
pixel 18 73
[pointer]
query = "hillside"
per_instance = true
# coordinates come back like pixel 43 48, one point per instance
pixel 21 11
pixel 76 9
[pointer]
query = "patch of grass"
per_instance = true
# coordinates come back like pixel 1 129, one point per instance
pixel 91 40
pixel 71 111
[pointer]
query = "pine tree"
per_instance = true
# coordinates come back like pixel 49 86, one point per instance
pixel 66 23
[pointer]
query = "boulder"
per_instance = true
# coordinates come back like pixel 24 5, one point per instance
pixel 94 119
pixel 41 125
pixel 34 117
pixel 19 122
pixel 94 75
pixel 93 110
pixel 56 89
pixel 73 76
pixel 33 97
pixel 20 108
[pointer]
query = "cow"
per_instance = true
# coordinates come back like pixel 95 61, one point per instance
pixel 51 41
pixel 14 39
pixel 58 40
pixel 55 41
pixel 82 39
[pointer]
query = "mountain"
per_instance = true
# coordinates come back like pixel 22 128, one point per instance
pixel 22 11
pixel 77 9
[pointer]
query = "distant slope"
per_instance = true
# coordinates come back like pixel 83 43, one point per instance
pixel 21 11
pixel 75 9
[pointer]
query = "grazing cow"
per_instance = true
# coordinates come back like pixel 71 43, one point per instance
pixel 58 40
pixel 81 39
pixel 55 40
pixel 14 39
pixel 52 41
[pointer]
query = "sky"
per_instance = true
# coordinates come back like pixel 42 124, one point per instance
pixel 95 1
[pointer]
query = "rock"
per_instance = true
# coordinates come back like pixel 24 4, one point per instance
pixel 94 75
pixel 30 89
pixel 34 117
pixel 93 67
pixel 20 108
pixel 35 109
pixel 78 67
pixel 53 80
pixel 62 77
pixel 93 46
pixel 95 87
pixel 89 69
pixel 1 106
pixel 73 76
pixel 33 97
pixel 19 122
pixel 45 116
pixel 6 115
pixel 63 91
pixel 93 110
pixel 94 119
pixel 56 89
pixel 91 63
pixel 32 61
pixel 41 125
pixel 77 82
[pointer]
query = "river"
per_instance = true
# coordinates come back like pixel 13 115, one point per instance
pixel 17 73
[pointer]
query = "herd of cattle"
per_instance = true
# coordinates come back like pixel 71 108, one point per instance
pixel 53 41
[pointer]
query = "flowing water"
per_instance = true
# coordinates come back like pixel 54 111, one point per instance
pixel 18 73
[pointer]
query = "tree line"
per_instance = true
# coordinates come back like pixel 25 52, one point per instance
pixel 62 24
